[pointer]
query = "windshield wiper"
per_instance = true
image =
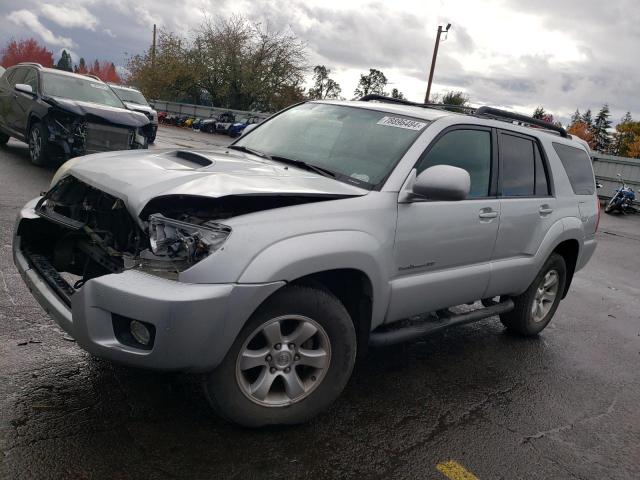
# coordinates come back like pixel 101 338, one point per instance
pixel 309 166
pixel 277 158
pixel 242 148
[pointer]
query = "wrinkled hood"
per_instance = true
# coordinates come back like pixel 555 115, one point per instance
pixel 139 108
pixel 116 116
pixel 138 176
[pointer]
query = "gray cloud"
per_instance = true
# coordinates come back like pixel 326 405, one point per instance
pixel 392 38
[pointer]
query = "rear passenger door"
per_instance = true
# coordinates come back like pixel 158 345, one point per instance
pixel 527 211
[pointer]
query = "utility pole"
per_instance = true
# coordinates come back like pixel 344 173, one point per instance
pixel 153 61
pixel 433 60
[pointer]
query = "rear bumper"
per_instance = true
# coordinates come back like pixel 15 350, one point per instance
pixel 195 324
pixel 588 248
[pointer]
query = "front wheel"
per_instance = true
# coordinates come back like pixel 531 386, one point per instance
pixel 39 147
pixel 535 308
pixel 610 206
pixel 292 359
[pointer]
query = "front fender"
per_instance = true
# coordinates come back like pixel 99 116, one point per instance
pixel 303 255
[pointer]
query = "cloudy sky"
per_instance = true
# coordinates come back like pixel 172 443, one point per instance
pixel 517 54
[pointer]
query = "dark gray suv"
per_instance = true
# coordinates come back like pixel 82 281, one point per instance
pixel 62 115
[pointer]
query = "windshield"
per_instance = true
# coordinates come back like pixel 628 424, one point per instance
pixel 359 145
pixel 80 89
pixel 131 96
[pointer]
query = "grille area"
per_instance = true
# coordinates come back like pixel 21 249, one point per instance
pixel 102 138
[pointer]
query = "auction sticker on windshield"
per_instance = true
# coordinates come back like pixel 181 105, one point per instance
pixel 400 122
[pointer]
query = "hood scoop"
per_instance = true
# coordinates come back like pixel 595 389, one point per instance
pixel 190 158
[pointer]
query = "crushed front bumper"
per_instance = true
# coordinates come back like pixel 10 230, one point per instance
pixel 195 324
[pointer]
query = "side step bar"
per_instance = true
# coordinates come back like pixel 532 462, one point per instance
pixel 391 337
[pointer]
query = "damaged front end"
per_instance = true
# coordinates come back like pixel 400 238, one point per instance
pixel 83 233
pixel 77 135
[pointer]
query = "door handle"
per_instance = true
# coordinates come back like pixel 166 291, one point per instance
pixel 545 210
pixel 487 214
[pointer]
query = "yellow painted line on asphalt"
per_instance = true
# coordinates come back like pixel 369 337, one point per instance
pixel 454 471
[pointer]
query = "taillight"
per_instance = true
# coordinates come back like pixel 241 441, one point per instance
pixel 599 211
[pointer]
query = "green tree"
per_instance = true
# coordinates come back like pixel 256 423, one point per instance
pixel 395 93
pixel 601 127
pixel 65 63
pixel 458 98
pixel 324 87
pixel 627 131
pixel 373 83
pixel 587 119
pixel 81 68
pixel 539 113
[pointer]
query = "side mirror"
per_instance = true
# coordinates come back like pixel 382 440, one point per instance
pixel 24 88
pixel 443 182
pixel 599 185
pixel 248 128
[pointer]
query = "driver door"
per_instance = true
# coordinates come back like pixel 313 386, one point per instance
pixel 443 248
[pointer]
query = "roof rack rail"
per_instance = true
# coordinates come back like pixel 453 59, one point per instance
pixel 95 77
pixel 437 106
pixel 35 64
pixel 506 115
pixel 489 112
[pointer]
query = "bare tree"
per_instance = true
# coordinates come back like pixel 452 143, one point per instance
pixel 324 87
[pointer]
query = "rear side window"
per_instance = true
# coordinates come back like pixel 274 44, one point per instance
pixel 517 166
pixel 466 149
pixel 577 164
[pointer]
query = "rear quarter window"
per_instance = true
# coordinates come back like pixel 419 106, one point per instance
pixel 577 164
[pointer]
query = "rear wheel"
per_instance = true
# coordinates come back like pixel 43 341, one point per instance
pixel 290 361
pixel 39 147
pixel 536 306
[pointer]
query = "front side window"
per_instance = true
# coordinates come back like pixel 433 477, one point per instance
pixel 361 146
pixel 17 76
pixel 31 78
pixel 79 88
pixel 466 149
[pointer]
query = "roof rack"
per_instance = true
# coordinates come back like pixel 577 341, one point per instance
pixel 95 77
pixel 35 64
pixel 523 119
pixel 488 112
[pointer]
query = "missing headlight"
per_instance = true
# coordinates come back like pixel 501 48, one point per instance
pixel 175 245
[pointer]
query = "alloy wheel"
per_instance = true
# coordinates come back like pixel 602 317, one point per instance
pixel 283 361
pixel 545 296
pixel 35 144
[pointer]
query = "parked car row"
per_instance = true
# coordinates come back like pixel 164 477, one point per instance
pixel 62 114
pixel 225 123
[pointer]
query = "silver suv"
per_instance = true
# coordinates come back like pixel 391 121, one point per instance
pixel 270 264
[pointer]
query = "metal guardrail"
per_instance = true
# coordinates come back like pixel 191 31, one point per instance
pixel 606 168
pixel 200 111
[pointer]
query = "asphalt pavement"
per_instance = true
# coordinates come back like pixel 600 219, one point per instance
pixel 474 402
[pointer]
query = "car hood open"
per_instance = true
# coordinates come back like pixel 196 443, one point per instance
pixel 113 115
pixel 137 177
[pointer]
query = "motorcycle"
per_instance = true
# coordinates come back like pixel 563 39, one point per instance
pixel 622 199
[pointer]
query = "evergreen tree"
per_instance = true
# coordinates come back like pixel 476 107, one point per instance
pixel 65 63
pixel 586 118
pixel 539 113
pixel 600 130
pixel 455 98
pixel 81 67
pixel 575 117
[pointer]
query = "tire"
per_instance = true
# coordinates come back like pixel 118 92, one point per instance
pixel 39 147
pixel 288 312
pixel 610 206
pixel 4 138
pixel 151 139
pixel 523 319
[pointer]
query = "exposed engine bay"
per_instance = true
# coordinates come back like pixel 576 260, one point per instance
pixel 86 233
pixel 78 135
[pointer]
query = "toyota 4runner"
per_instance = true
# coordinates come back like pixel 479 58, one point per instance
pixel 270 264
